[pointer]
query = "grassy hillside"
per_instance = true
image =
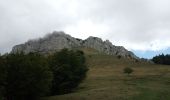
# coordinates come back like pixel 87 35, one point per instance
pixel 106 80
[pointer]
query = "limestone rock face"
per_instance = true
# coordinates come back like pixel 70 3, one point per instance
pixel 49 44
pixel 107 47
pixel 59 40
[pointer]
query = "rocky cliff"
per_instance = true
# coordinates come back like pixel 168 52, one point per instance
pixel 59 40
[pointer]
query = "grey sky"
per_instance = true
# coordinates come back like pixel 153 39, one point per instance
pixel 135 24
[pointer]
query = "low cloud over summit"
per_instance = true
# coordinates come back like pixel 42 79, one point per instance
pixel 142 25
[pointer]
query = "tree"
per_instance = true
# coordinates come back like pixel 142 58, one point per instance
pixel 2 76
pixel 28 76
pixel 69 69
pixel 162 59
pixel 128 70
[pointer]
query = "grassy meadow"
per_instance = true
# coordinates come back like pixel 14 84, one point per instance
pixel 106 80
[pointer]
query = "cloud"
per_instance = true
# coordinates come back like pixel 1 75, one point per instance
pixel 136 24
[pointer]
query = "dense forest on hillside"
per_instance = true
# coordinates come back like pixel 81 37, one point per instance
pixel 30 76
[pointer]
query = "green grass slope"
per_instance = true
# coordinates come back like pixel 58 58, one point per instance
pixel 106 80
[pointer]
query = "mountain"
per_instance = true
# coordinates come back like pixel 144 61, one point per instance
pixel 58 40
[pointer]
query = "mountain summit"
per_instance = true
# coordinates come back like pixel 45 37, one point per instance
pixel 59 40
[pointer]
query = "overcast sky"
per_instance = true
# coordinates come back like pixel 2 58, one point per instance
pixel 142 26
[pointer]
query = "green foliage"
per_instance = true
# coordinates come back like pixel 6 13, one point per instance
pixel 27 76
pixel 119 56
pixel 2 76
pixel 1 98
pixel 30 76
pixel 69 69
pixel 162 59
pixel 128 70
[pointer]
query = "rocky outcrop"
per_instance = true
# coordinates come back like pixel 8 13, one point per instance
pixel 59 40
pixel 107 47
pixel 49 44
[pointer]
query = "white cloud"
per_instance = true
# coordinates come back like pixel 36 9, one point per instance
pixel 84 28
pixel 135 24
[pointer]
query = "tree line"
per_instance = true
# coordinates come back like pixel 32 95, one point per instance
pixel 31 76
pixel 162 59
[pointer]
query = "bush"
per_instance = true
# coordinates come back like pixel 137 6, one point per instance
pixel 119 56
pixel 128 70
pixel 27 76
pixel 69 69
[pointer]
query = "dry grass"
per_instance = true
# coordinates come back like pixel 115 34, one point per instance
pixel 106 80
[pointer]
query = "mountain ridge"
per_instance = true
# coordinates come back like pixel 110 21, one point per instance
pixel 58 40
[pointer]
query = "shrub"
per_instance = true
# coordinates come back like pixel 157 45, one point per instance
pixel 128 70
pixel 69 69
pixel 119 56
pixel 28 76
